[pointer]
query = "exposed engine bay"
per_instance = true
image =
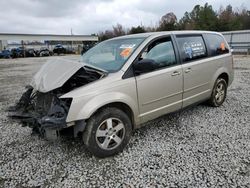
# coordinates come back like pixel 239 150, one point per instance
pixel 46 110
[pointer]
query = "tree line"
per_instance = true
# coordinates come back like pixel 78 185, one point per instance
pixel 200 18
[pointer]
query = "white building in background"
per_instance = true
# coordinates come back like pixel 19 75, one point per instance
pixel 3 44
pixel 48 40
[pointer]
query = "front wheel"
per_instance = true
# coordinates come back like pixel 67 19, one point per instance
pixel 219 93
pixel 108 132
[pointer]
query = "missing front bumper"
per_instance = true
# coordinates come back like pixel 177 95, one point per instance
pixel 45 113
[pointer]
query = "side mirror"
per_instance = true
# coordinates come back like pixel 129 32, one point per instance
pixel 144 65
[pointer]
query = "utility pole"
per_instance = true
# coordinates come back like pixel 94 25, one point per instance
pixel 71 31
pixel 22 43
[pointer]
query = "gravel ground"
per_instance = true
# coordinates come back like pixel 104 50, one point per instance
pixel 198 147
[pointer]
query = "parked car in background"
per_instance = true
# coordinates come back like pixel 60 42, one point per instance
pixel 44 52
pixel 30 52
pixel 86 47
pixel 5 54
pixel 70 50
pixel 17 52
pixel 59 49
pixel 124 82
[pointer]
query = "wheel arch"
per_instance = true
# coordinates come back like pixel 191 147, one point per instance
pixel 225 76
pixel 220 73
pixel 122 106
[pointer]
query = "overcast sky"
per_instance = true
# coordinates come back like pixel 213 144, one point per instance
pixel 92 16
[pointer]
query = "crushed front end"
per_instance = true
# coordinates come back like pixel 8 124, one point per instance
pixel 45 113
pixel 40 106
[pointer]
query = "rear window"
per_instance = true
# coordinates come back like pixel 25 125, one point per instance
pixel 191 47
pixel 217 45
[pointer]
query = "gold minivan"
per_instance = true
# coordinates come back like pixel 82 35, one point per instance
pixel 124 82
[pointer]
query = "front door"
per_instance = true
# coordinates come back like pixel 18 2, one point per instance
pixel 160 91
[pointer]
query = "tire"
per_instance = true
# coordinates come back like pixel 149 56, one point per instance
pixel 219 93
pixel 108 131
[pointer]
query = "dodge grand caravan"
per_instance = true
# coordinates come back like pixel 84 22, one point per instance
pixel 124 82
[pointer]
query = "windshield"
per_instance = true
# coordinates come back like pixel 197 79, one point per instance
pixel 111 55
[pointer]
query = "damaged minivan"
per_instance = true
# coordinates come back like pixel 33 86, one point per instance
pixel 124 82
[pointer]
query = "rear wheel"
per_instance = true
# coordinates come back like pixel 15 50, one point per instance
pixel 107 132
pixel 219 93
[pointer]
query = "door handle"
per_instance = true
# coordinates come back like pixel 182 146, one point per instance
pixel 175 73
pixel 188 70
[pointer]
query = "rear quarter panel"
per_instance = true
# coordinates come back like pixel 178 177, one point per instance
pixel 224 65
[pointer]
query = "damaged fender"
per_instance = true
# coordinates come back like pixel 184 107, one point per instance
pixel 84 109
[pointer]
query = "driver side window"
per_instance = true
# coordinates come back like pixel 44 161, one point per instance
pixel 161 51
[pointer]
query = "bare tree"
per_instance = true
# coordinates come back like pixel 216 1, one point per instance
pixel 168 22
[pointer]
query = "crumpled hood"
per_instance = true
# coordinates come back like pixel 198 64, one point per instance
pixel 54 74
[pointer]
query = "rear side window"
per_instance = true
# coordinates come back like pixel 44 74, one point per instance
pixel 191 47
pixel 217 44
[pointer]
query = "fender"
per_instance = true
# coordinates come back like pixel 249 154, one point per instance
pixel 98 101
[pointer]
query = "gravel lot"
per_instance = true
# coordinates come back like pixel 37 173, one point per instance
pixel 198 147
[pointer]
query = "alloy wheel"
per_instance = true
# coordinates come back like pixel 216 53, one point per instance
pixel 110 133
pixel 220 92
